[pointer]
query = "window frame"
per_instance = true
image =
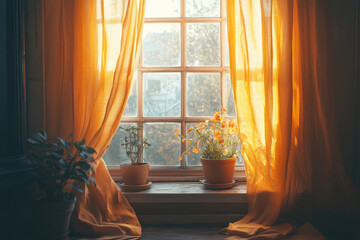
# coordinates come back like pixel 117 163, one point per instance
pixel 182 172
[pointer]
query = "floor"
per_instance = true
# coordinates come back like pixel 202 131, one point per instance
pixel 183 232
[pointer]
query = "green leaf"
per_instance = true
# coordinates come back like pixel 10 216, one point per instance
pixel 63 143
pixel 93 180
pixel 56 155
pixel 91 150
pixel 84 165
pixel 62 162
pixel 32 141
pixel 82 173
pixel 76 187
pixel 42 135
pixel 92 170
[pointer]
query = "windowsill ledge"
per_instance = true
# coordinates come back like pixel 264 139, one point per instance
pixel 188 202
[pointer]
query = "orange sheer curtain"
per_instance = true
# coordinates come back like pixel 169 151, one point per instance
pixel 281 61
pixel 86 97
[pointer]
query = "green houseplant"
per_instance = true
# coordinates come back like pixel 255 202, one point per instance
pixel 218 142
pixel 61 167
pixel 136 172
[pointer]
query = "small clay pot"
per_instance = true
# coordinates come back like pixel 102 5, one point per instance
pixel 218 171
pixel 135 174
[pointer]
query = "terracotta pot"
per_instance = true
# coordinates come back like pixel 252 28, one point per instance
pixel 218 171
pixel 135 174
pixel 53 219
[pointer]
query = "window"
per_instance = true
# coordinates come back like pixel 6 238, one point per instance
pixel 182 79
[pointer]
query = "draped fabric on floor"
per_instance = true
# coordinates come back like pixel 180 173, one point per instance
pixel 282 72
pixel 85 96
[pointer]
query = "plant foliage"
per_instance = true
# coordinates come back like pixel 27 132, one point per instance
pixel 59 163
pixel 216 138
pixel 134 145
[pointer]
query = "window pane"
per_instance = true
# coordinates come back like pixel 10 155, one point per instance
pixel 202 8
pixel 162 94
pixel 231 110
pixel 131 108
pixel 162 8
pixel 227 47
pixel 202 94
pixel 165 149
pixel 203 44
pixel 116 155
pixel 161 44
pixel 194 158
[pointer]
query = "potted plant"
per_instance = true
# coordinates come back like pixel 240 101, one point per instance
pixel 60 166
pixel 135 174
pixel 218 142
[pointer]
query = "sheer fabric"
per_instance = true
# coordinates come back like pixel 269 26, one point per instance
pixel 281 61
pixel 84 96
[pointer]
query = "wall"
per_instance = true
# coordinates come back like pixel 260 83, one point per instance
pixel 345 15
pixel 34 65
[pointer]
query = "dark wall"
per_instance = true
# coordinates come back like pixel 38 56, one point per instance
pixel 346 29
pixel 15 179
pixel 12 81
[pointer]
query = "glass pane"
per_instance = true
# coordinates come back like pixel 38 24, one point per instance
pixel 194 158
pixel 162 8
pixel 202 94
pixel 203 44
pixel 165 149
pixel 231 110
pixel 162 94
pixel 202 8
pixel 116 155
pixel 161 44
pixel 227 47
pixel 131 109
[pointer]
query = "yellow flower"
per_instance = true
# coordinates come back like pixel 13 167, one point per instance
pixel 183 140
pixel 187 153
pixel 223 111
pixel 206 122
pixel 221 140
pixel 229 130
pixel 189 142
pixel 190 129
pixel 201 128
pixel 217 133
pixel 223 125
pixel 195 150
pixel 231 124
pixel 217 117
pixel 177 132
pixel 180 158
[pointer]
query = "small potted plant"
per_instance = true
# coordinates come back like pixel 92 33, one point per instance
pixel 218 142
pixel 135 174
pixel 61 166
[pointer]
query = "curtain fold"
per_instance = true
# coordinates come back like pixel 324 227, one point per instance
pixel 282 72
pixel 86 91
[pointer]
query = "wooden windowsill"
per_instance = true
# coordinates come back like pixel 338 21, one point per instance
pixel 188 202
pixel 176 174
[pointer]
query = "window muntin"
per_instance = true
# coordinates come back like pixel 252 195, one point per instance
pixel 182 78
